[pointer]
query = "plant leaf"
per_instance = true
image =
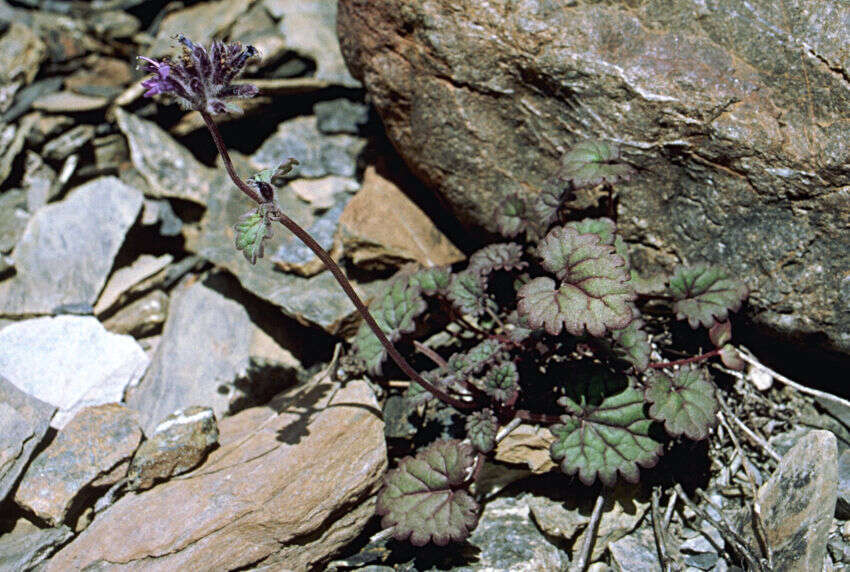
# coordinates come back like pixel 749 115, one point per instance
pixel 395 315
pixel 595 291
pixel 685 402
pixel 592 162
pixel 504 256
pixel 720 333
pixel 605 430
pixel 467 292
pixel 425 498
pixel 252 230
pixel 481 428
pixel 731 358
pixel 476 358
pixel 510 216
pixel 431 280
pixel 604 227
pixel 705 294
pixel 632 345
pixel 502 382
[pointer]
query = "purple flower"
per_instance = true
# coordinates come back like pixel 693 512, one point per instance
pixel 201 79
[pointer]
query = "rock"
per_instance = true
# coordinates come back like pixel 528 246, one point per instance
pixel 309 27
pixel 170 170
pixel 567 517
pixel 39 182
pixel 26 545
pixel 527 445
pixel 111 152
pixel 735 148
pixel 24 420
pixel 508 540
pixel 200 23
pixel 69 142
pixel 635 552
pixel 123 279
pixel 27 95
pixel 7 95
pixel 209 342
pixel 13 218
pixel 318 154
pixel 67 249
pixel 12 143
pixel 382 227
pixel 798 501
pixel 93 444
pixel 21 52
pixel 69 102
pixel 104 77
pixel 140 318
pixel 325 199
pixel 160 212
pixel 341 116
pixel 316 300
pixel 47 127
pixel 320 468
pixel 70 362
pixel 177 446
pixel 258 29
pixel 843 502
pixel 113 24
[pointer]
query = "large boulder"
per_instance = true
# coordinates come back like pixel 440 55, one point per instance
pixel 734 113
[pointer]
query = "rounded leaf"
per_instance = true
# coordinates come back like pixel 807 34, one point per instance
pixel 481 429
pixel 590 163
pixel 685 402
pixel 510 216
pixel 632 345
pixel 704 294
pixel 425 498
pixel 604 227
pixel 467 292
pixel 505 256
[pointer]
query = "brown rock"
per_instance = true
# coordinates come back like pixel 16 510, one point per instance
pixel 21 52
pixel 290 484
pixel 140 318
pixel 735 112
pixel 382 227
pixel 69 102
pixel 102 76
pixel 527 445
pixel 96 441
pixel 126 277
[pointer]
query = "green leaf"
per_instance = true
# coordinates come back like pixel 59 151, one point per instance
pixel 685 402
pixel 425 498
pixel 590 163
pixel 705 294
pixel 504 256
pixel 481 429
pixel 605 430
pixel 502 382
pixel 510 216
pixel 431 280
pixel 547 203
pixel 476 358
pixel 252 230
pixel 605 228
pixel 632 345
pixel 595 291
pixel 264 176
pixel 395 315
pixel 731 358
pixel 467 292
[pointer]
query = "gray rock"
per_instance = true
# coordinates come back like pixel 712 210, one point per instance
pixel 113 24
pixel 843 505
pixel 341 116
pixel 23 422
pixel 209 342
pixel 318 154
pixel 12 140
pixel 47 126
pixel 7 95
pixel 27 95
pixel 309 27
pixel 21 52
pixel 69 362
pixel 130 277
pixel 110 152
pixel 26 545
pixel 635 552
pixel 317 300
pixel 94 448
pixel 13 218
pixel 200 22
pixel 178 444
pixel 170 170
pixel 732 110
pixel 39 182
pixel 508 540
pixel 69 142
pixel 69 102
pixel 798 502
pixel 67 249
pixel 140 318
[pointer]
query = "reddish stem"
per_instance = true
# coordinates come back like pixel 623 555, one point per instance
pixel 541 418
pixel 701 357
pixel 330 264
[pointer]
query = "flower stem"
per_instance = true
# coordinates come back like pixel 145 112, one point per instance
pixel 701 357
pixel 330 264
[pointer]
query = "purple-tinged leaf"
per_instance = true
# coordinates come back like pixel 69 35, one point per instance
pixel 590 163
pixel 632 345
pixel 720 333
pixel 731 358
pixel 705 294
pixel 468 293
pixel 685 402
pixel 432 280
pixel 502 382
pixel 481 429
pixel 511 216
pixel 504 256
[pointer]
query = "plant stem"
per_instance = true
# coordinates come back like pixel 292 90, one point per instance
pixel 583 559
pixel 305 237
pixel 701 357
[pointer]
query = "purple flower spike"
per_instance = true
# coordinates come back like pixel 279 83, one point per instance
pixel 201 79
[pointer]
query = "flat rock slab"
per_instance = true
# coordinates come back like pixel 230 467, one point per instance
pixel 382 227
pixel 69 362
pixel 22 52
pixel 200 23
pixel 26 545
pixel 168 167
pixel 23 422
pixel 290 484
pixel 207 344
pixel 126 277
pixel 798 503
pixel 67 248
pixel 96 442
pixel 734 111
pixel 13 218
